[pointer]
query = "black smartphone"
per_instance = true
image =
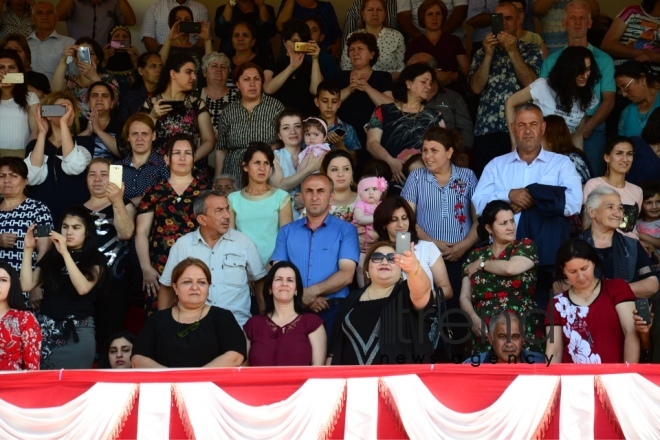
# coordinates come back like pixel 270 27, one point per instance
pixel 190 27
pixel 340 131
pixel 53 111
pixel 42 230
pixel 643 309
pixel 175 104
pixel 496 23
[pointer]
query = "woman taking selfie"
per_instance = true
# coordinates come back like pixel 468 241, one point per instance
pixel 72 275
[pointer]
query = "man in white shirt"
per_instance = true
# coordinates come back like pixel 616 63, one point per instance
pixel 155 28
pixel 46 45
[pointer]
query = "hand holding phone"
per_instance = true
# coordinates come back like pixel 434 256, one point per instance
pixel 496 23
pixel 340 132
pixel 42 231
pixel 643 309
pixel 300 46
pixel 116 175
pixel 120 45
pixel 13 78
pixel 53 111
pixel 84 55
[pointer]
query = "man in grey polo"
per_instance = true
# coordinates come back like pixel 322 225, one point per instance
pixel 231 256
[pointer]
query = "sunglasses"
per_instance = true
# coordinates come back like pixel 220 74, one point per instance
pixel 377 257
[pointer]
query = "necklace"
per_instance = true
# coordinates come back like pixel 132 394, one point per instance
pixel 182 333
pixel 409 115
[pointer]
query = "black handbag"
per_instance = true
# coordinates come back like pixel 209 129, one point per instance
pixel 440 334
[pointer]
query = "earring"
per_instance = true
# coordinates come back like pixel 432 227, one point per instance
pixel 368 277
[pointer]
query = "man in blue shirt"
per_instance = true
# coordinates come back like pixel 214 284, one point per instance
pixel 324 248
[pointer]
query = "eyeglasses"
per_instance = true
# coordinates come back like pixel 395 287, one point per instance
pixel 624 89
pixel 377 257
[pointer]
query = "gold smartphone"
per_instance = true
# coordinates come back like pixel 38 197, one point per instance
pixel 13 78
pixel 302 47
pixel 116 174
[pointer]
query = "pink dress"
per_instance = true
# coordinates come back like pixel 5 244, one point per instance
pixel 316 150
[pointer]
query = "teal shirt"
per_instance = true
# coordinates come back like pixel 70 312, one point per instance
pixel 605 65
pixel 632 122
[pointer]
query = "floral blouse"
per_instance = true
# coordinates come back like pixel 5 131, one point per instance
pixel 80 92
pixel 491 292
pixel 20 341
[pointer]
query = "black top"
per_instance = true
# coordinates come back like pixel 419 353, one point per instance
pixel 356 110
pixel 294 93
pixel 217 334
pixel 642 261
pixel 361 327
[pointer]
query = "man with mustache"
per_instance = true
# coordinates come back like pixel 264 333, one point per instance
pixel 231 256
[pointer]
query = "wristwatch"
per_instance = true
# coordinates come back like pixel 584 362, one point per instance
pixel 482 264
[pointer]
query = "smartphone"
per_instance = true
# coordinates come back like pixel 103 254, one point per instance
pixel 340 131
pixel 190 27
pixel 496 23
pixel 402 242
pixel 116 174
pixel 13 78
pixel 53 111
pixel 302 47
pixel 120 45
pixel 175 104
pixel 643 309
pixel 84 55
pixel 42 230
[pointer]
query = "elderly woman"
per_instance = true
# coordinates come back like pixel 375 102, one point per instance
pixel 244 121
pixel 394 215
pixel 363 88
pixel 386 306
pixel 391 46
pixel 36 82
pixel 401 125
pixel 58 157
pixel 285 335
pixel 18 212
pixel 447 49
pixel 215 68
pixel 639 83
pixel 190 334
pixel 88 73
pixel 18 109
pixel 620 256
pixel 592 322
pixel 501 275
pixel 166 213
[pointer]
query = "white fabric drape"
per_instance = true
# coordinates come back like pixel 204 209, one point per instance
pixel 310 412
pixel 519 413
pixel 361 409
pixel 154 411
pixel 98 413
pixel 576 410
pixel 636 403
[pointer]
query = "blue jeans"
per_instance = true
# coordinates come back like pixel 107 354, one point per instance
pixel 594 146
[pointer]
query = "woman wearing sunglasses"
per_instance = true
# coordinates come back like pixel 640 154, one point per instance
pixel 379 324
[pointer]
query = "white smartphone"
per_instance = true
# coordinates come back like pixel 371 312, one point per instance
pixel 116 174
pixel 402 242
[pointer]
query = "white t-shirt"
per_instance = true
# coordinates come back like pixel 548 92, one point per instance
pixel 427 254
pixel 546 98
pixel 14 124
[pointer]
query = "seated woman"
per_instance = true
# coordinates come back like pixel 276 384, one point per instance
pixel 394 215
pixel 592 322
pixel 285 335
pixel 20 334
pixel 149 66
pixel 500 276
pixel 72 275
pixel 121 62
pixel 57 159
pixel 102 122
pixel 620 256
pixel 391 46
pixel 639 83
pixel 18 109
pixel 568 91
pixel 119 351
pixel 190 334
pixel 243 40
pixel 632 35
pixel 619 156
pixel 386 306
pixel 445 47
pixel 88 73
pixel 179 42
pixel 401 125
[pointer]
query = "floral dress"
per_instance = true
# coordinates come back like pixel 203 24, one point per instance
pixel 20 341
pixel 492 292
pixel 173 217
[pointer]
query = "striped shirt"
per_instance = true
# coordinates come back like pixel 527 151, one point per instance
pixel 443 212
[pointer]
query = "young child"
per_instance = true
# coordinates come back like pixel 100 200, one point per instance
pixel 328 101
pixel 370 192
pixel 316 132
pixel 648 225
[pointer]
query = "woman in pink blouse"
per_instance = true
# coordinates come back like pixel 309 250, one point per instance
pixel 20 335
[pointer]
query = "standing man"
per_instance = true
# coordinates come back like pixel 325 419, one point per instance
pixel 231 256
pixel 155 29
pixel 94 18
pixel 500 68
pixel 577 22
pixel 507 178
pixel 46 45
pixel 324 248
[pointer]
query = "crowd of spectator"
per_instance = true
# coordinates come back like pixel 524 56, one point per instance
pixel 270 189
